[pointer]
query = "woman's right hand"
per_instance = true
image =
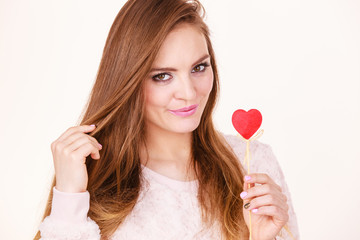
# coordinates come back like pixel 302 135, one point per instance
pixel 69 154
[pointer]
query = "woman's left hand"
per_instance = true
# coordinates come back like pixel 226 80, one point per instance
pixel 267 203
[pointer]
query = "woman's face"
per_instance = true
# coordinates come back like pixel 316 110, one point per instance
pixel 179 83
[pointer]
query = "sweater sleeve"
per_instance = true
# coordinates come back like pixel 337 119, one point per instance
pixel 263 160
pixel 68 218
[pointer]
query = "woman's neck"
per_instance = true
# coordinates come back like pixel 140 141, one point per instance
pixel 168 153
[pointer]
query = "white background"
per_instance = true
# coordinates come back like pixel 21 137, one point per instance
pixel 298 62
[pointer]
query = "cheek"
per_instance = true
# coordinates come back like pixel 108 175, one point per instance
pixel 155 96
pixel 205 85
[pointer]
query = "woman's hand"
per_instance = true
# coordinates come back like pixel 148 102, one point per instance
pixel 69 154
pixel 267 203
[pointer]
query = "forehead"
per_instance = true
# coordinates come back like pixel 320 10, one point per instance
pixel 181 47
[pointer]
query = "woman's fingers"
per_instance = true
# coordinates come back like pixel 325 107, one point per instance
pixel 72 138
pixel 87 149
pixel 76 135
pixel 267 203
pixel 273 211
pixel 260 190
pixel 268 200
pixel 260 184
pixel 71 130
pixel 260 178
pixel 265 193
pixel 74 141
pixel 69 154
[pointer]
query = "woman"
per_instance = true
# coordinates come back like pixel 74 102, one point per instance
pixel 161 170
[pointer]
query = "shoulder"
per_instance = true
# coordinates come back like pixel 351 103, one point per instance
pixel 258 149
pixel 239 145
pixel 262 157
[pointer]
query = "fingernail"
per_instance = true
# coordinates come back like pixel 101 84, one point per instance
pixel 92 125
pixel 247 205
pixel 247 178
pixel 243 195
pixel 255 210
pixel 100 145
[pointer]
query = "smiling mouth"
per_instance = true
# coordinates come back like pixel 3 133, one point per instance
pixel 186 111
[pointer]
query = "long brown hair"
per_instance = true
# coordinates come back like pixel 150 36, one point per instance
pixel 116 106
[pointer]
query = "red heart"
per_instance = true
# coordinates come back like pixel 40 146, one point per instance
pixel 246 123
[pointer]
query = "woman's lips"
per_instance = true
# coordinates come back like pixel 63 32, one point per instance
pixel 186 111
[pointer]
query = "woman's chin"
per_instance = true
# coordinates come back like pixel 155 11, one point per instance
pixel 186 128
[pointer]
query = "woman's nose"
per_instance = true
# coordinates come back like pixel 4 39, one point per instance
pixel 185 88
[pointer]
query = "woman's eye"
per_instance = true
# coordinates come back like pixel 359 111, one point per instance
pixel 200 68
pixel 161 77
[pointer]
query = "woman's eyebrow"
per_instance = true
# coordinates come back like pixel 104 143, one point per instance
pixel 174 69
pixel 201 59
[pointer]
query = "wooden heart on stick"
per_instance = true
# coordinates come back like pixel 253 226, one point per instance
pixel 246 123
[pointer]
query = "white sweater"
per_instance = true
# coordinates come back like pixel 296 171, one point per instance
pixel 166 208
